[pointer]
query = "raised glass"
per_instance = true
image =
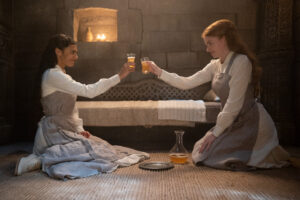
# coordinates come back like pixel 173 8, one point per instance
pixel 145 66
pixel 131 58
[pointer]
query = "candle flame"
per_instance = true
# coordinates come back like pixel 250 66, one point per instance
pixel 100 37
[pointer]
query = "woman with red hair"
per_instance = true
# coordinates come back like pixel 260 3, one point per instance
pixel 244 136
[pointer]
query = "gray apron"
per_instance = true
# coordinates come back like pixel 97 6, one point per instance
pixel 65 153
pixel 233 148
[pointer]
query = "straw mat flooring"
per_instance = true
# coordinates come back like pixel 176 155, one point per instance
pixel 182 182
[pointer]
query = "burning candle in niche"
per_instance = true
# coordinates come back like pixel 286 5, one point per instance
pixel 100 37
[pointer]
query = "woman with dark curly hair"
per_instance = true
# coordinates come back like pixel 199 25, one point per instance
pixel 62 146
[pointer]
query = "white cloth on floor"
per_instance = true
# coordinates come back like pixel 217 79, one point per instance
pixel 131 159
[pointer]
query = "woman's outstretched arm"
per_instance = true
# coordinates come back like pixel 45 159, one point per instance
pixel 55 79
pixel 184 83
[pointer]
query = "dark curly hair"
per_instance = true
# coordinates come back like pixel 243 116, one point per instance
pixel 49 59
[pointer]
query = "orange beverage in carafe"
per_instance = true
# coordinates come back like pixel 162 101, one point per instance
pixel 145 67
pixel 178 158
pixel 131 59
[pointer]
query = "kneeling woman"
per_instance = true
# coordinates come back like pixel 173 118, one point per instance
pixel 62 146
pixel 244 136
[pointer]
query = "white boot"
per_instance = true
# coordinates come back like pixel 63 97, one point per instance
pixel 27 164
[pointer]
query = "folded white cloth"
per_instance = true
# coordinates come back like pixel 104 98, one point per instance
pixel 184 110
pixel 132 159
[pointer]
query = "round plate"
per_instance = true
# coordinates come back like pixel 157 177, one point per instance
pixel 157 165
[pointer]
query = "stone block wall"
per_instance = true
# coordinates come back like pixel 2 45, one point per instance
pixel 296 66
pixel 168 31
pixel 6 72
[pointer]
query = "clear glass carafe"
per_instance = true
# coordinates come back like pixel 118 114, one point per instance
pixel 178 154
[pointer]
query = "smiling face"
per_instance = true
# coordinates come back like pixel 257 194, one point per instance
pixel 215 46
pixel 67 56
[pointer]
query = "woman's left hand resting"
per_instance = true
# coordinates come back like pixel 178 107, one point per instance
pixel 208 140
pixel 125 70
pixel 85 134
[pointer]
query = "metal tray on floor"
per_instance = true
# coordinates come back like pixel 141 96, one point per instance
pixel 156 165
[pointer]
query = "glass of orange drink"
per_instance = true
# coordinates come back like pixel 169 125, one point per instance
pixel 145 65
pixel 131 58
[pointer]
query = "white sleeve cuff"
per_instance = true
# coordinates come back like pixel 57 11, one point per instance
pixel 161 75
pixel 80 128
pixel 217 131
pixel 164 75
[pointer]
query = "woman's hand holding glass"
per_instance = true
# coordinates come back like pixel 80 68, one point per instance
pixel 126 69
pixel 153 68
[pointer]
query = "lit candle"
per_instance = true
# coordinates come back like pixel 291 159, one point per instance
pixel 101 37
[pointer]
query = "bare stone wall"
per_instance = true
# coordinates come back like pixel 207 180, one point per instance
pixel 167 31
pixel 297 65
pixel 6 72
pixel 34 22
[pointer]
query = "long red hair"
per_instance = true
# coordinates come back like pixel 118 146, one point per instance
pixel 226 28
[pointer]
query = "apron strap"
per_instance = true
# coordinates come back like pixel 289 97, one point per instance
pixel 230 63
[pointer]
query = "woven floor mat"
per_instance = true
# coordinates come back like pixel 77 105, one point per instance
pixel 182 182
